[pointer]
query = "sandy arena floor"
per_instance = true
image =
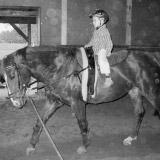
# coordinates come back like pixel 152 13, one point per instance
pixel 109 125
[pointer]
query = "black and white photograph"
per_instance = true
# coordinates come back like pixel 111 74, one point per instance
pixel 79 79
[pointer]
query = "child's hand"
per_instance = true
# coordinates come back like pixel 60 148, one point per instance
pixel 108 54
pixel 86 46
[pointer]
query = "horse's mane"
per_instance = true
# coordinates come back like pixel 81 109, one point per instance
pixel 68 50
pixel 9 59
pixel 66 57
pixel 21 51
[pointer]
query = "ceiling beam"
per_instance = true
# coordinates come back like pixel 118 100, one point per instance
pixel 17 13
pixel 18 20
pixel 20 15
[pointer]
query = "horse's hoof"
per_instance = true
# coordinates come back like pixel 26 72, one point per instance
pixel 81 150
pixel 128 141
pixel 29 151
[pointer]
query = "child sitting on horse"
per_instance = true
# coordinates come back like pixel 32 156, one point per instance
pixel 102 44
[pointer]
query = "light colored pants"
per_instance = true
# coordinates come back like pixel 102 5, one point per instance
pixel 103 62
pixel 103 65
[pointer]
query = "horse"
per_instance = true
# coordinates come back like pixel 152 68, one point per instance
pixel 59 68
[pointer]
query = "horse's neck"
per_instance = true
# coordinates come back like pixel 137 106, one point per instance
pixel 49 74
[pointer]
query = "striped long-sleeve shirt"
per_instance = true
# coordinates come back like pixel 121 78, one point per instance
pixel 101 39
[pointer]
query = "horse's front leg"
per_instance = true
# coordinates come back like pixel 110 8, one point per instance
pixel 137 100
pixel 48 110
pixel 79 108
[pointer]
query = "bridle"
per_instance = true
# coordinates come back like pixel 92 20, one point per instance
pixel 20 86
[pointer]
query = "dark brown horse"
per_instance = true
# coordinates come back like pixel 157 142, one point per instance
pixel 60 68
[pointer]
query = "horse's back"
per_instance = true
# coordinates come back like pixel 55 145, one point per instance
pixel 139 69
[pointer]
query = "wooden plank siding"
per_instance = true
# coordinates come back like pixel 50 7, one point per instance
pixel 20 15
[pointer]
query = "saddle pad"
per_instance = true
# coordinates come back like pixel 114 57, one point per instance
pixel 84 89
pixel 117 57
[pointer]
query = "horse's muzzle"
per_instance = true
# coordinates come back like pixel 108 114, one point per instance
pixel 18 102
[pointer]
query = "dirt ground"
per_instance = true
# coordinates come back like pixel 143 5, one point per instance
pixel 109 125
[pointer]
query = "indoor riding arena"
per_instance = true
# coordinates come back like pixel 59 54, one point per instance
pixel 134 26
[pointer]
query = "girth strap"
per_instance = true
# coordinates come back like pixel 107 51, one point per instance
pixel 84 75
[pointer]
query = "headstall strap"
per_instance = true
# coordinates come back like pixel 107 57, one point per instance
pixel 19 79
pixel 10 67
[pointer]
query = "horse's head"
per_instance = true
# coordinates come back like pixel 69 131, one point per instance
pixel 16 80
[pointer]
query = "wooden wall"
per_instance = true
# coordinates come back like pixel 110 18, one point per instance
pixel 80 26
pixel 145 20
pixel 50 17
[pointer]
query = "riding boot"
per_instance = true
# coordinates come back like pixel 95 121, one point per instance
pixel 95 81
pixel 108 81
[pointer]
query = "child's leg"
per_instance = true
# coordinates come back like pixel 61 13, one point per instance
pixel 103 63
pixel 104 67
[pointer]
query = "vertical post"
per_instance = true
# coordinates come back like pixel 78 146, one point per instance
pixel 64 22
pixel 128 22
pixel 29 34
pixel 38 43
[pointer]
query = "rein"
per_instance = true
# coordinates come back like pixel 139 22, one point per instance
pixel 75 73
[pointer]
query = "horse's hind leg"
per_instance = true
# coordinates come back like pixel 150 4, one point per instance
pixel 49 109
pixel 137 100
